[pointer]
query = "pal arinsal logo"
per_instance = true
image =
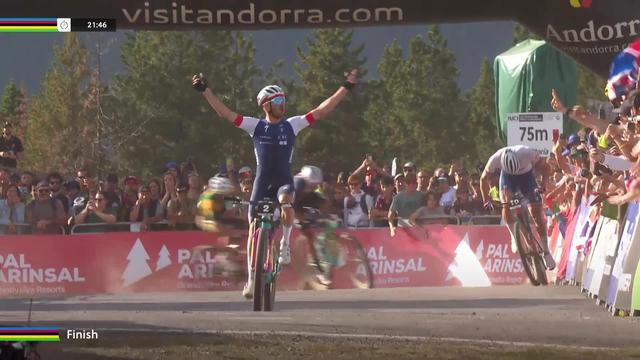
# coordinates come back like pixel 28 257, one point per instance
pixel 580 3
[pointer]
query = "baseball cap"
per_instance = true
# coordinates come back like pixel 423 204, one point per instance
pixel 443 179
pixel 42 184
pixel 171 165
pixel 409 164
pixel 573 139
pixel 398 176
pixel 244 171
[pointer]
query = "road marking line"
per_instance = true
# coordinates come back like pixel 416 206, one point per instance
pixel 356 336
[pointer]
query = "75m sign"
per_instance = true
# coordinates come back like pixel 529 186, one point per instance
pixel 536 130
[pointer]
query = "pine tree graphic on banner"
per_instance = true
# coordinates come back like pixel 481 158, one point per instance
pixel 137 268
pixel 164 259
pixel 466 267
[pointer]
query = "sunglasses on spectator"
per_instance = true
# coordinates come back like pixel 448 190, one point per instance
pixel 278 100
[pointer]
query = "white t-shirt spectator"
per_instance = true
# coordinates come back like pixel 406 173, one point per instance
pixel 448 198
pixel 354 215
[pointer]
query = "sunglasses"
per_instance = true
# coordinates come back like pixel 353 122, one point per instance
pixel 278 100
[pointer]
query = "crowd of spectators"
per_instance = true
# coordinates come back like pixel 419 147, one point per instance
pixel 52 203
pixel 602 159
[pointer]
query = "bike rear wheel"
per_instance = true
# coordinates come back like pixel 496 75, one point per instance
pixel 353 263
pixel 259 279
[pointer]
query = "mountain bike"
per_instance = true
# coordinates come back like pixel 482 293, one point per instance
pixel 335 255
pixel 265 253
pixel 528 241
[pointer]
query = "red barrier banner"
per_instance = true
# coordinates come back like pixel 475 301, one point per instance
pixel 435 255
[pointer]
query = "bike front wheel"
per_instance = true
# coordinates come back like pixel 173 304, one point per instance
pixel 259 278
pixel 350 261
pixel 527 254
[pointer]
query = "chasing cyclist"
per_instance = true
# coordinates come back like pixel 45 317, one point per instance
pixel 273 142
pixel 517 165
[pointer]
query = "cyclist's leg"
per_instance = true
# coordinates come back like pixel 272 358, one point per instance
pixel 507 185
pixel 286 197
pixel 530 190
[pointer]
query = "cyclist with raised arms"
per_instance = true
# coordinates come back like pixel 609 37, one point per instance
pixel 273 141
pixel 517 165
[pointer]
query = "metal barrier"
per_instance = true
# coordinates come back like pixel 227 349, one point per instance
pixel 485 220
pixel 24 229
pixel 98 228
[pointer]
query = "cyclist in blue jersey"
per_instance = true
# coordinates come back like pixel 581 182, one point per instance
pixel 273 142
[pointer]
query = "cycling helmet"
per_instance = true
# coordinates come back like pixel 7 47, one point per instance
pixel 312 174
pixel 269 92
pixel 509 162
pixel 221 185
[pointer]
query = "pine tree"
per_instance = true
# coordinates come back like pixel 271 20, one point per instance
pixel 58 135
pixel 12 99
pixel 482 115
pixel 165 119
pixel 329 54
pixel 381 122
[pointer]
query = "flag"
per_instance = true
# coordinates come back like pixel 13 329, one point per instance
pixel 623 73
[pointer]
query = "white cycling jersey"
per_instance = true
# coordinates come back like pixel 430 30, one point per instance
pixel 527 157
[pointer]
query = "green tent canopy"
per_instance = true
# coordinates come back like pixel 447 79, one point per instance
pixel 525 75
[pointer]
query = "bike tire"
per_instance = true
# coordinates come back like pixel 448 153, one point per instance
pixel 536 251
pixel 357 268
pixel 541 270
pixel 270 287
pixel 528 260
pixel 258 283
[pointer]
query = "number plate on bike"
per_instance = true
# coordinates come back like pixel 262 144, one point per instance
pixel 514 204
pixel 265 207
